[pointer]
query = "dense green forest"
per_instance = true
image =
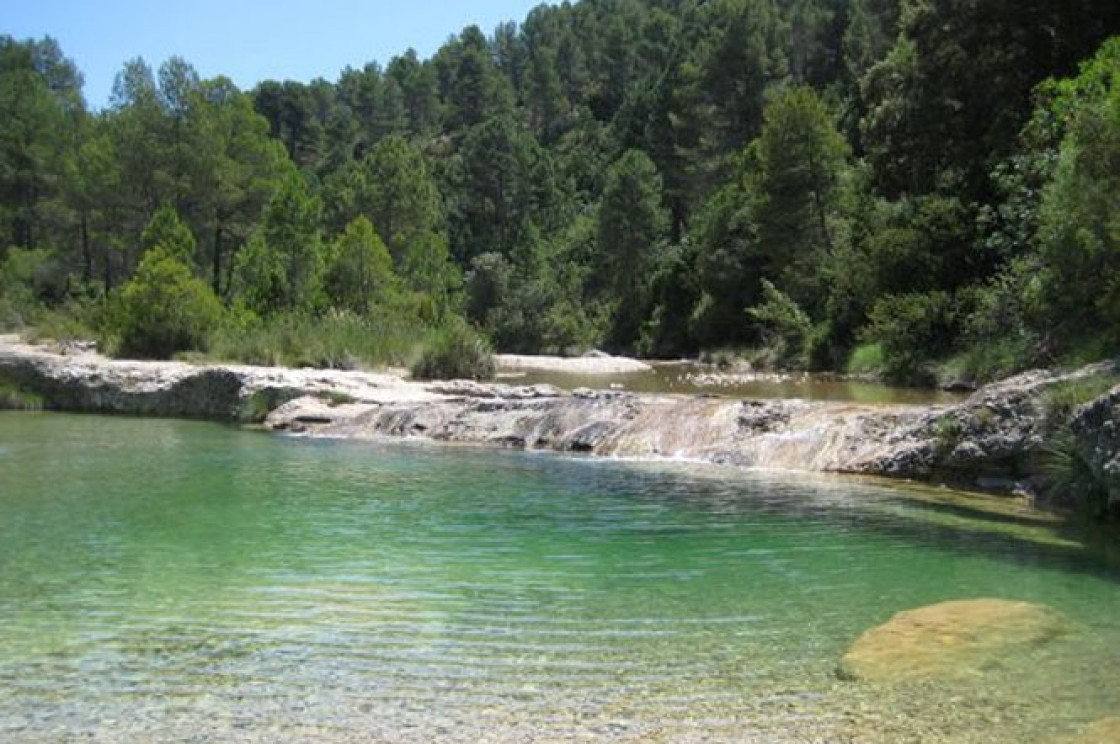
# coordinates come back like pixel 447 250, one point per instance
pixel 915 187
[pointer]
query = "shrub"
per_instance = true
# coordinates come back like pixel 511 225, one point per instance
pixel 1070 479
pixel 456 352
pixel 163 309
pixel 912 329
pixel 786 329
pixel 866 359
pixel 25 279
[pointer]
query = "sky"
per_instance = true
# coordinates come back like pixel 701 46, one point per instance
pixel 247 40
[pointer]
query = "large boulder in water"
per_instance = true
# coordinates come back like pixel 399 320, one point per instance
pixel 950 639
pixel 1103 731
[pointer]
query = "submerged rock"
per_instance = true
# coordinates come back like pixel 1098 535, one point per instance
pixel 1103 731
pixel 950 639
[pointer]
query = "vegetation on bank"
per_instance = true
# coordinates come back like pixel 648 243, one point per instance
pixel 919 190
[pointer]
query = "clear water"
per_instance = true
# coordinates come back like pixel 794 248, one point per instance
pixel 695 379
pixel 181 581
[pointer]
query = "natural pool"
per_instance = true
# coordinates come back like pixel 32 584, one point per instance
pixel 182 581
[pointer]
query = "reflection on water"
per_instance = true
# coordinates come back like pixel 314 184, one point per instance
pixel 699 379
pixel 177 580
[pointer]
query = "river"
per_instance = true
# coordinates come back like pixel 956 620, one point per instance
pixel 185 581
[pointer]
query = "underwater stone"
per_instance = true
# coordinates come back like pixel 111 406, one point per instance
pixel 949 639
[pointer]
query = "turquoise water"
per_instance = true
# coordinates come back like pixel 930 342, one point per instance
pixel 169 580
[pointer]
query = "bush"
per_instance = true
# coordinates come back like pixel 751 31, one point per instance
pixel 913 330
pixel 25 279
pixel 866 359
pixel 1070 479
pixel 456 352
pixel 163 309
pixel 786 329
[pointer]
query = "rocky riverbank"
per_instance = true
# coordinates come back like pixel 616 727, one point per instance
pixel 995 440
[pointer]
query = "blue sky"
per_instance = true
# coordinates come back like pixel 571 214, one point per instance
pixel 247 40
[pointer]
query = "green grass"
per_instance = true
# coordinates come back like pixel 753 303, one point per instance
pixel 1060 400
pixel 334 398
pixel 1070 479
pixel 335 341
pixel 456 352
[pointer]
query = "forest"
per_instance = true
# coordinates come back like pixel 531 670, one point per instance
pixel 927 190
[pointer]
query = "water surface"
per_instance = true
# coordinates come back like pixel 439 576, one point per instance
pixel 698 379
pixel 182 581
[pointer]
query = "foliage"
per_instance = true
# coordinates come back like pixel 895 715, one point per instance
pixel 26 280
pixel 163 309
pixel 1070 479
pixel 455 352
pixel 15 398
pixel 626 174
pixel 786 327
pixel 360 274
pixel 947 434
pixel 911 329
pixel 631 229
pixel 1079 232
pixel 282 267
pixel 865 359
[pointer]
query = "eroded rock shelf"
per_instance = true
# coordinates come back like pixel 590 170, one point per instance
pixel 992 440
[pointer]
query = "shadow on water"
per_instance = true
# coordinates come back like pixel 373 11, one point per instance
pixel 1035 540
pixel 978 513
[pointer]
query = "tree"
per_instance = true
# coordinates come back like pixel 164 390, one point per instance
pixel 632 228
pixel 136 128
pixel 289 109
pixel 743 52
pixel 797 161
pixel 946 104
pixel 402 200
pixel 392 188
pixel 281 268
pixel 419 88
pixel 40 104
pixel 729 264
pixel 475 90
pixel 360 274
pixel 168 232
pixel 245 170
pixel 1079 232
pixel 494 207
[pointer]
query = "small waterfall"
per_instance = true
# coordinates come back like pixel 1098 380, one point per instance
pixel 777 434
